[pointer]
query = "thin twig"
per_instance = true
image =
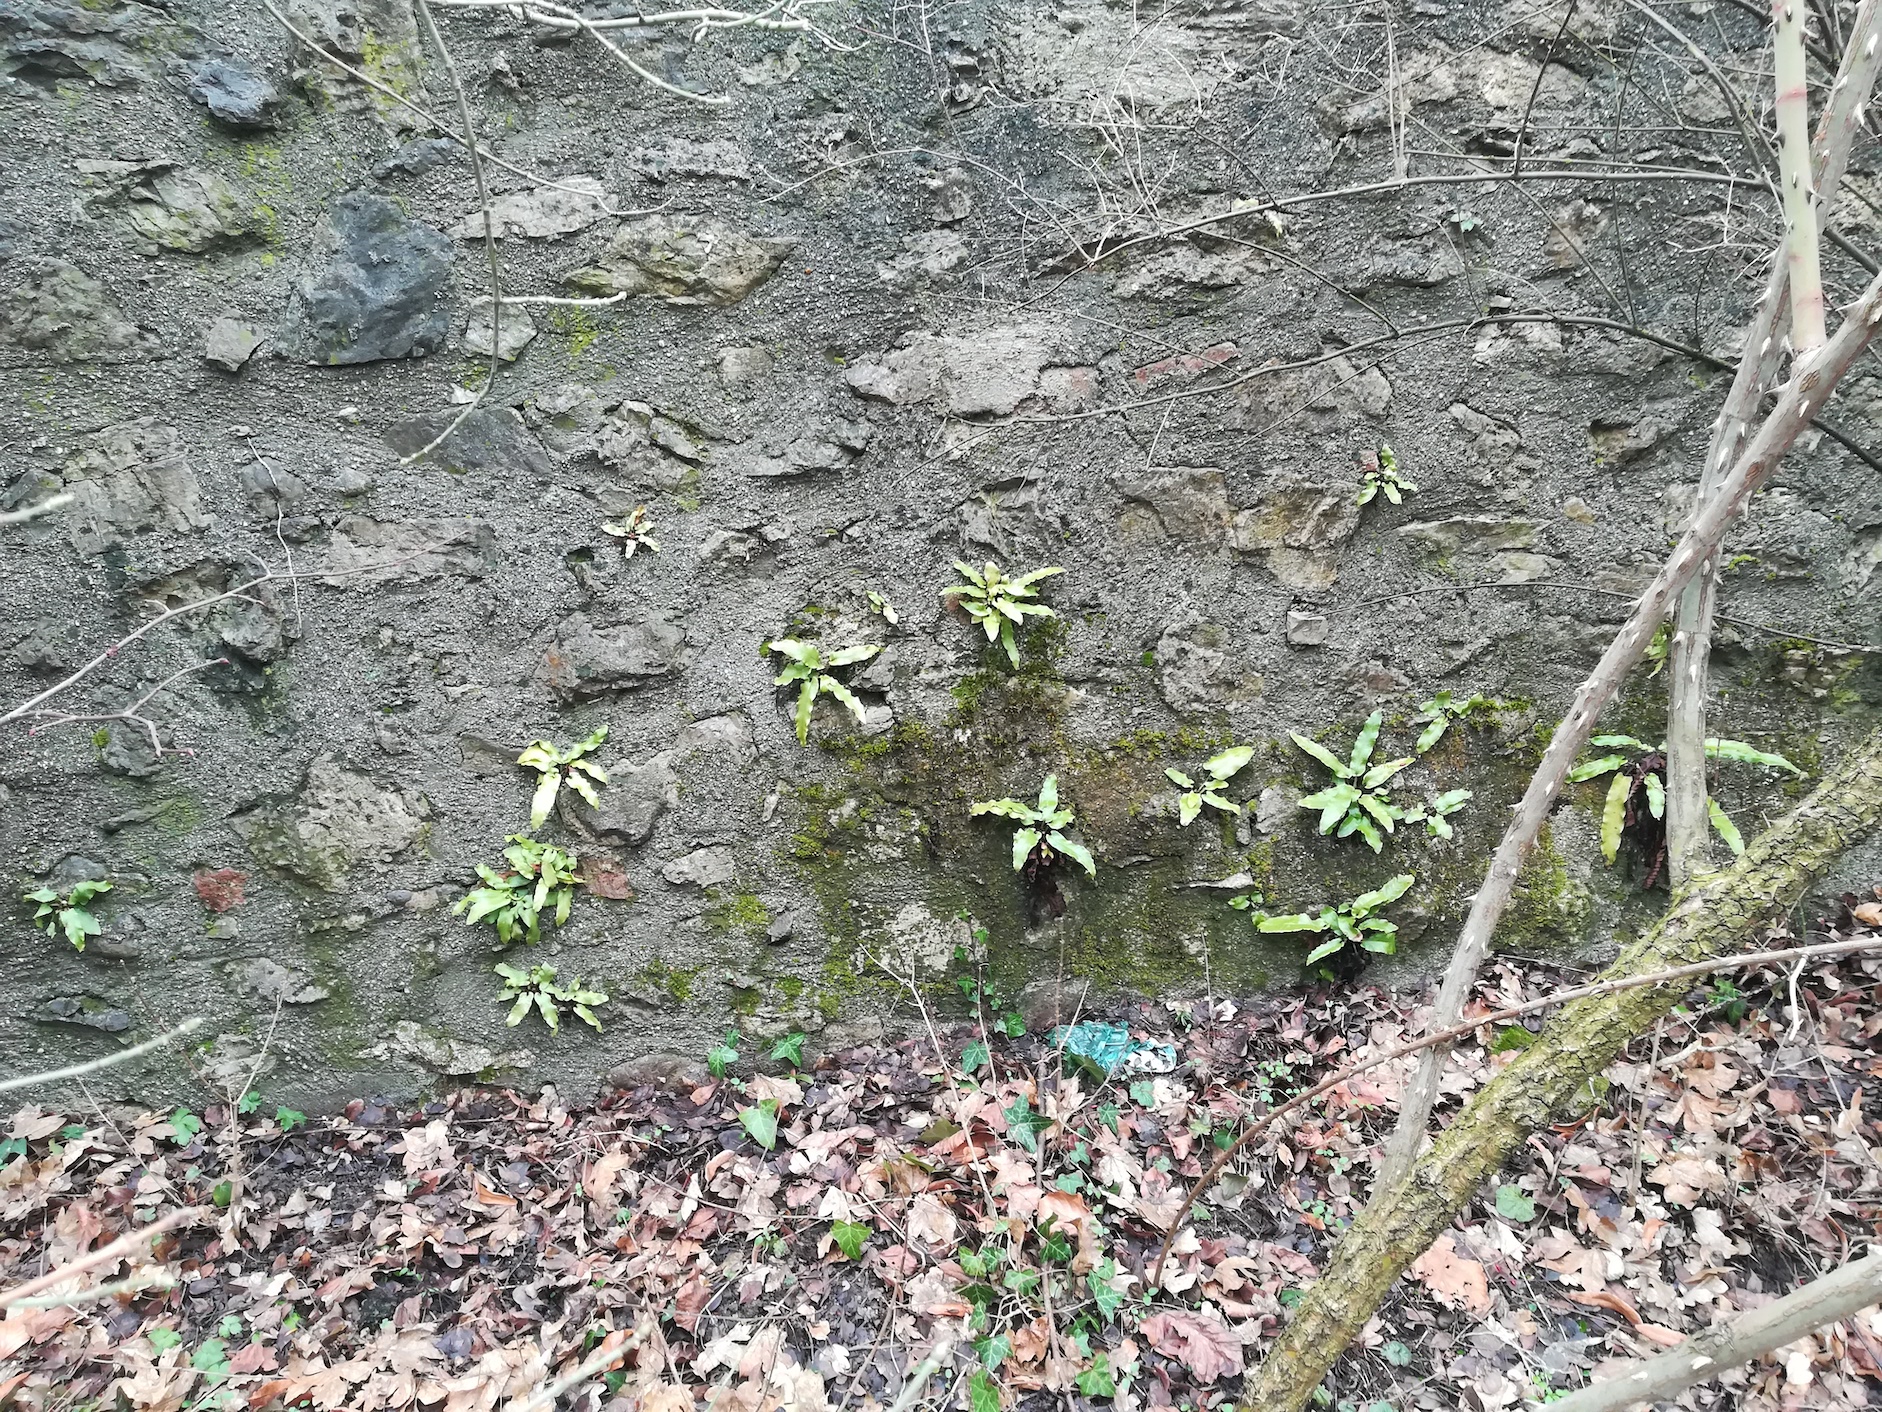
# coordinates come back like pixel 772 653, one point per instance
pixel 117 1250
pixel 610 1350
pixel 123 1056
pixel 34 512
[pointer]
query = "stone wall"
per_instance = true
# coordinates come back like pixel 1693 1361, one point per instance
pixel 904 299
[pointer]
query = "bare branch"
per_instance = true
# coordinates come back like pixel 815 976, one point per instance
pixel 1799 403
pixel 123 1056
pixel 124 1245
pixel 1801 250
pixel 34 512
pixel 1725 1345
pixel 1429 1043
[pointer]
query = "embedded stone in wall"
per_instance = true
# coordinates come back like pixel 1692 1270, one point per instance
pixel 516 331
pixel 131 479
pixel 53 305
pixel 339 820
pixel 1012 518
pixel 566 418
pixel 632 800
pixel 440 1052
pixel 926 255
pixel 489 439
pixel 652 449
pixel 267 980
pixel 229 343
pixel 1189 503
pixel 703 867
pixel 172 206
pixel 573 204
pixel 683 260
pixel 1331 392
pixel 47 43
pixel 1476 546
pixel 1298 527
pixel 406 551
pixel 585 660
pixel 1194 670
pixel 234 94
pixel 381 295
pixel 377 37
pixel 991 372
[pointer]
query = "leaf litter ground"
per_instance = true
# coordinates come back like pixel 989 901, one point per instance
pixel 460 1256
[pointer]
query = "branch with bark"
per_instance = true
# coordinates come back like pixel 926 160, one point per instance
pixel 1705 1355
pixel 1406 1215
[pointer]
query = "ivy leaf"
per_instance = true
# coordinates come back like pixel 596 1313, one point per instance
pixel 1014 1023
pixel 993 1351
pixel 761 1121
pixel 976 1057
pixel 983 1393
pixel 1096 1381
pixel 1023 1125
pixel 790 1050
pixel 1515 1204
pixel 848 1237
pixel 1108 1299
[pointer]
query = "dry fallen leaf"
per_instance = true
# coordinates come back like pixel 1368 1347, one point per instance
pixel 1201 1342
pixel 1454 1278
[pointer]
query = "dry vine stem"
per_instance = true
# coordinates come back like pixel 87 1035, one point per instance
pixel 1797 406
pixel 1726 1345
pixel 1495 1017
pixel 123 1056
pixel 1687 828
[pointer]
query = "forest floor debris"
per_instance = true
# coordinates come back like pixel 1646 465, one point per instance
pixel 805 1240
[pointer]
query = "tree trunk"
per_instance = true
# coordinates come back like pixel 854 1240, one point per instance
pixel 1399 1224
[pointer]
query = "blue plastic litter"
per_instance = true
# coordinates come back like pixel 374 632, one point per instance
pixel 1110 1047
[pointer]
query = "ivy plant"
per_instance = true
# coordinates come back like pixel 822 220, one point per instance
pixel 634 532
pixel 536 987
pixel 554 764
pixel 514 902
pixel 67 911
pixel 1357 921
pixel 1040 837
pixel 1357 800
pixel 1383 477
pixel 1217 771
pixel 1639 778
pixel 1438 714
pixel 809 669
pixel 999 604
pixel 1435 813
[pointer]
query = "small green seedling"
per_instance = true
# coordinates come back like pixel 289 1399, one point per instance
pixel 1435 813
pixel 1641 771
pixel 66 911
pixel 633 532
pixel 1041 832
pixel 1218 769
pixel 998 603
pixel 1381 477
pixel 724 1054
pixel 514 901
pixel 1354 921
pixel 880 604
pixel 1356 801
pixel 1440 711
pixel 537 987
pixel 790 1049
pixel 811 667
pixel 553 764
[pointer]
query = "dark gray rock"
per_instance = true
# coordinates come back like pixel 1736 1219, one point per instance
pixel 234 94
pixel 584 660
pixel 632 801
pixel 415 158
pixel 86 1010
pixel 489 439
pixel 382 293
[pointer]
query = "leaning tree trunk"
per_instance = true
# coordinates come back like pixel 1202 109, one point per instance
pixel 1705 920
